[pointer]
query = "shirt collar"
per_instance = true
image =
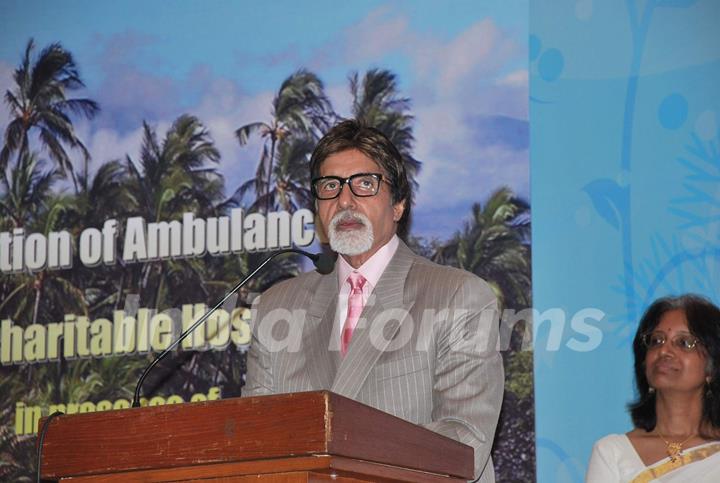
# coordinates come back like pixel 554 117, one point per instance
pixel 373 267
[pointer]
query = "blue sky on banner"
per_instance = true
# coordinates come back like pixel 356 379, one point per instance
pixel 463 64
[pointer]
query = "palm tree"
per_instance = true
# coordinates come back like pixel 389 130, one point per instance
pixel 47 295
pixel 39 102
pixel 172 178
pixel 300 109
pixel 290 185
pixel 292 175
pixel 377 103
pixel 102 196
pixel 493 245
pixel 26 202
pixel 25 193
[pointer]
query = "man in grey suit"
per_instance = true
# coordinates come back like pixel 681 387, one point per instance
pixel 387 328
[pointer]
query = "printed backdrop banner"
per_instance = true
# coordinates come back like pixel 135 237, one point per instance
pixel 153 153
pixel 626 200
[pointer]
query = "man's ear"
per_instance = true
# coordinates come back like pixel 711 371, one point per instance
pixel 398 210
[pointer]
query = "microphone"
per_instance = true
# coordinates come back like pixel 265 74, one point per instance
pixel 323 262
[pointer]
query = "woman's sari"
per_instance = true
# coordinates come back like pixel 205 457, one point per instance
pixel 698 464
pixel 615 460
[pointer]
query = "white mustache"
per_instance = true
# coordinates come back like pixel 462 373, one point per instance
pixel 347 216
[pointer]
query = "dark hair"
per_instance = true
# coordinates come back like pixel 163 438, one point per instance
pixel 703 319
pixel 352 134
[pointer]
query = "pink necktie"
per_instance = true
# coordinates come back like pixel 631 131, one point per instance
pixel 355 306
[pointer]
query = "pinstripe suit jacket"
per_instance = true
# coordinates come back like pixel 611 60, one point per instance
pixel 424 349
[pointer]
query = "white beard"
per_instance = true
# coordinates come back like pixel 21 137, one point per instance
pixel 350 242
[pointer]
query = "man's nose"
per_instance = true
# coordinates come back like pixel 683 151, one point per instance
pixel 346 199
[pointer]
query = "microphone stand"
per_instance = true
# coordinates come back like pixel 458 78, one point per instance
pixel 318 260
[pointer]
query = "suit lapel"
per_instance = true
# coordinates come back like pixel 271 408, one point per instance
pixel 366 346
pixel 321 363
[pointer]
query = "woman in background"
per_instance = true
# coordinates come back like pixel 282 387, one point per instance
pixel 677 415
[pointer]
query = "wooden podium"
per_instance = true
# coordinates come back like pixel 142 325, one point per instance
pixel 300 437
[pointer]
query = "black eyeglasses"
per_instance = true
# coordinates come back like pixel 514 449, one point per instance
pixel 361 184
pixel 683 341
